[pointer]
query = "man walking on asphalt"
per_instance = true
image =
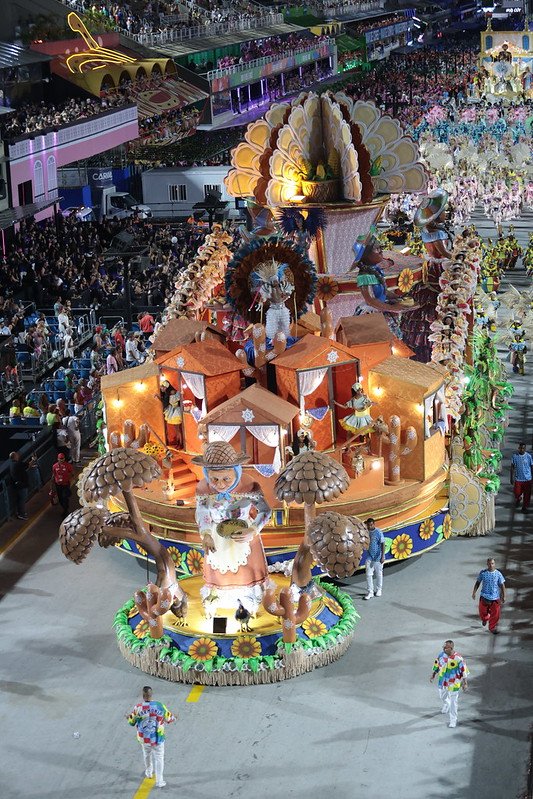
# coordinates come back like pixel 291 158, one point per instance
pixel 452 673
pixel 62 475
pixel 521 464
pixel 375 559
pixel 492 595
pixel 18 470
pixel 150 718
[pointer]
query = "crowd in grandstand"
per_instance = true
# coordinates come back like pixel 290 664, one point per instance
pixel 269 47
pixel 161 16
pixel 170 126
pixel 372 24
pixel 31 117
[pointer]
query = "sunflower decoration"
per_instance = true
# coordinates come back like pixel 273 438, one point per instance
pixel 402 546
pixel 250 277
pixel 133 612
pixel 175 554
pixel 203 649
pixel 332 605
pixel 155 450
pixel 426 529
pixel 141 630
pixel 447 526
pixel 314 628
pixel 195 561
pixel 120 542
pixel 326 288
pixel 141 550
pixel 405 280
pixel 247 646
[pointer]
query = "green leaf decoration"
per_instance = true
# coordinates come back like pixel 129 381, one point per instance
pixel 388 544
pixel 126 545
pixel 187 662
pixel 253 664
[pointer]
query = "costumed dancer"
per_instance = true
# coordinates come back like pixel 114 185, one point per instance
pixel 231 511
pixel 518 350
pixel 370 280
pixel 359 422
pixel 430 218
pixel 173 419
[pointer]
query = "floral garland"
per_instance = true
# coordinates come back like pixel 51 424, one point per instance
pixel 450 329
pixel 202 654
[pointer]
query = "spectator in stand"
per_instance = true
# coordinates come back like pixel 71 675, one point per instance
pixel 52 416
pixel 133 356
pixel 68 344
pixel 63 320
pixel 15 412
pixel 146 323
pixel 72 426
pixel 62 472
pixel 44 405
pixel 111 364
pixel 30 411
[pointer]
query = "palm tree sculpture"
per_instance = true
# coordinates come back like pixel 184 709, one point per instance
pixel 334 541
pixel 119 471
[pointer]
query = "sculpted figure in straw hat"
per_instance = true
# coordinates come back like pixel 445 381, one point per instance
pixel 231 510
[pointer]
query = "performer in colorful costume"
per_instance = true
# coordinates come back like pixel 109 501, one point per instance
pixel 360 421
pixel 430 217
pixel 231 510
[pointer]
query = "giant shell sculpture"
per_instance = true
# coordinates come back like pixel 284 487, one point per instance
pixel 324 149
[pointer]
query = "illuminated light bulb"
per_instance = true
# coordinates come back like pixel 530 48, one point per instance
pixel 118 403
pixel 378 391
pixel 140 386
pixel 375 464
pixel 420 407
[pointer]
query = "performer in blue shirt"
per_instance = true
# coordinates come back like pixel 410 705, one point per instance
pixel 492 595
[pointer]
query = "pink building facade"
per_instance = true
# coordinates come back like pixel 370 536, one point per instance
pixel 34 160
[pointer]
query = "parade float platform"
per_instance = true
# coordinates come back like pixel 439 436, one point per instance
pixel 193 653
pixel 413 514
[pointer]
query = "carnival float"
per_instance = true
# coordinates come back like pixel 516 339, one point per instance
pixel 296 387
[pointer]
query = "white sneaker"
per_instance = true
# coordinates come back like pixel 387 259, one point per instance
pixel 452 724
pixel 369 595
pixel 378 592
pixel 160 784
pixel 445 709
pixel 148 773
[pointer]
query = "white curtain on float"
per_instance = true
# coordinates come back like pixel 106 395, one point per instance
pixel 308 382
pixel 197 385
pixel 221 432
pixel 268 434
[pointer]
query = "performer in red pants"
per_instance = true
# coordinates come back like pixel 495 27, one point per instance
pixel 492 595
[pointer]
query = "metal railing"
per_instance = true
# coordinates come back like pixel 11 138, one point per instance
pixel 260 62
pixel 205 31
pixel 341 9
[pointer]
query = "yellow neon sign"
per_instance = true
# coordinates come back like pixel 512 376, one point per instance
pixel 99 57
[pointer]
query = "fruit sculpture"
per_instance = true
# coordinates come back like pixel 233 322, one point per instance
pixel 324 148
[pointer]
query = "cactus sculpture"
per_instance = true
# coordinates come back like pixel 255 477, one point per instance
pixel 401 443
pixel 152 605
pixel 284 608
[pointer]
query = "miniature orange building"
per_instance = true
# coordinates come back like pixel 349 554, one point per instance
pixel 415 393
